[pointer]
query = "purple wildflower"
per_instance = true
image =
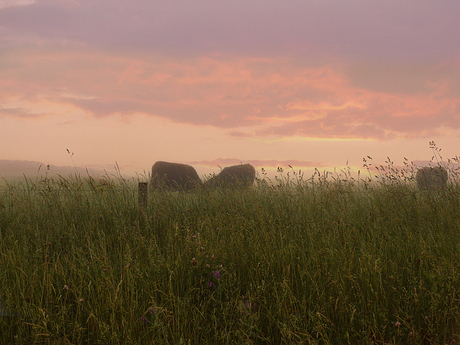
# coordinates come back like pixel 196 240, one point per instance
pixel 216 274
pixel 211 285
pixel 250 306
pixel 144 319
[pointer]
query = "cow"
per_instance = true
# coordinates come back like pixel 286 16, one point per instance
pixel 234 176
pixel 431 178
pixel 174 176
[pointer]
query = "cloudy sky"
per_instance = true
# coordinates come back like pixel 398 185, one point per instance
pixel 311 83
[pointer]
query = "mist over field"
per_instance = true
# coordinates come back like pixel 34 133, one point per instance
pixel 12 169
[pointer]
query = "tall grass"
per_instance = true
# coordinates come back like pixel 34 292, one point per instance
pixel 324 260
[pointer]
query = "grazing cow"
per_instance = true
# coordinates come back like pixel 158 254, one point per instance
pixel 431 178
pixel 174 176
pixel 234 176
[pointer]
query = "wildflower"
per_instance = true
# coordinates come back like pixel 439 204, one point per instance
pixel 144 320
pixel 216 274
pixel 250 306
pixel 65 288
pixel 208 266
pixel 80 300
pixel 201 248
pixel 194 263
pixel 397 324
pixel 150 310
pixel 211 285
pixel 213 257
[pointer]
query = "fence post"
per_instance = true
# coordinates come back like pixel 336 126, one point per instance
pixel 142 195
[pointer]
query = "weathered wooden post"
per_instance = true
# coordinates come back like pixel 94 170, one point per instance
pixel 142 195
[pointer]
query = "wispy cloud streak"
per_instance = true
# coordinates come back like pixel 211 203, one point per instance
pixel 270 163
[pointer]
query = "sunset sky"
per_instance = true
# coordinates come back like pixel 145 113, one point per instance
pixel 310 83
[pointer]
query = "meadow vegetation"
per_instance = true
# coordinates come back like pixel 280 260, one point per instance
pixel 332 259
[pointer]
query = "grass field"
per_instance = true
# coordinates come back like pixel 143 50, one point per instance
pixel 324 260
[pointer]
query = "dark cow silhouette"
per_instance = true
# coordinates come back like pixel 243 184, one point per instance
pixel 235 176
pixel 431 178
pixel 174 176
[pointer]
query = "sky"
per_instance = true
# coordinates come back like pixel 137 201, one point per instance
pixel 306 83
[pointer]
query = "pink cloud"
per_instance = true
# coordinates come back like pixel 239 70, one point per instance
pixel 247 96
